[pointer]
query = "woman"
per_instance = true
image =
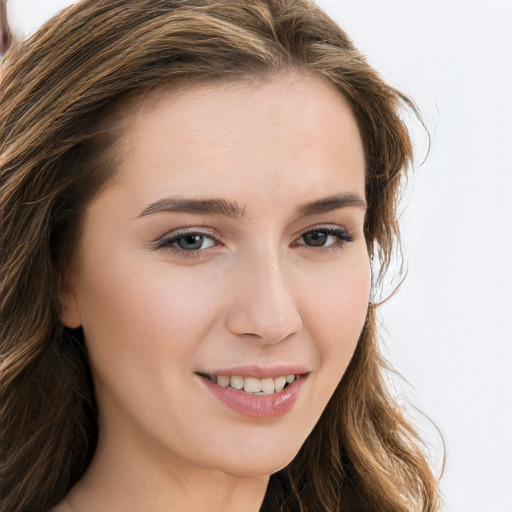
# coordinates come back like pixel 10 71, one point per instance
pixel 193 194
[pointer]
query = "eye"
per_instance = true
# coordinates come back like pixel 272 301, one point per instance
pixel 186 242
pixel 193 242
pixel 325 237
pixel 317 238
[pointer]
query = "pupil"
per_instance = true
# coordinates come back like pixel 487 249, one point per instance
pixel 316 238
pixel 190 242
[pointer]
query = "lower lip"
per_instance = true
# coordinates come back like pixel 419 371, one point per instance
pixel 258 406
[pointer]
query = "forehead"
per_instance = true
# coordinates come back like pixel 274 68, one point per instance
pixel 274 128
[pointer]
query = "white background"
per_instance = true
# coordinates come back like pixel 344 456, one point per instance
pixel 450 326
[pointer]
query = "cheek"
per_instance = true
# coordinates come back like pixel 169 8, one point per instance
pixel 142 317
pixel 346 290
pixel 142 335
pixel 338 312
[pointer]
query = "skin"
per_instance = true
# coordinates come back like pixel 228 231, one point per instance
pixel 256 292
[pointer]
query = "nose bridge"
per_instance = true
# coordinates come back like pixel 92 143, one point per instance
pixel 264 304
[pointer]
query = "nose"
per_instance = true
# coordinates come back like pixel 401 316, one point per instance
pixel 263 305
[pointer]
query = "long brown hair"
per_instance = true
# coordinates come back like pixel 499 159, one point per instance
pixel 58 92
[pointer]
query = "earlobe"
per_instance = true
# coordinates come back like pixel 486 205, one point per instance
pixel 69 312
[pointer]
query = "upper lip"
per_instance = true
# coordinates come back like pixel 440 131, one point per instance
pixel 261 372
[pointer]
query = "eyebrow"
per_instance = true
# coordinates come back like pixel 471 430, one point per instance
pixel 334 202
pixel 199 206
pixel 234 210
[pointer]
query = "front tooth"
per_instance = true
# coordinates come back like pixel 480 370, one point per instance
pixel 279 383
pixel 223 380
pixel 237 382
pixel 290 378
pixel 267 385
pixel 252 385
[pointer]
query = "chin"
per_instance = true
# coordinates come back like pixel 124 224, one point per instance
pixel 251 470
pixel 259 460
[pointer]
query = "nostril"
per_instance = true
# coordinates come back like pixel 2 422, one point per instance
pixel 271 329
pixel 264 308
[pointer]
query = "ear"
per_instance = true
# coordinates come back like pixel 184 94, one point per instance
pixel 69 312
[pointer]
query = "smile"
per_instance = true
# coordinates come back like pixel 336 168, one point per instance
pixel 252 385
pixel 266 397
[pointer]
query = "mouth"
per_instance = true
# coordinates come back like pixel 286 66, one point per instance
pixel 256 397
pixel 252 385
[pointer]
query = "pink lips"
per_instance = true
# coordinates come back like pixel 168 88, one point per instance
pixel 258 406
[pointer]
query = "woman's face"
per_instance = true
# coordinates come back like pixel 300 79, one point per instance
pixel 227 251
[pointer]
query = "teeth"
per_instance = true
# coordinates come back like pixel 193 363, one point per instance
pixel 265 386
pixel 237 382
pixel 252 385
pixel 279 383
pixel 223 381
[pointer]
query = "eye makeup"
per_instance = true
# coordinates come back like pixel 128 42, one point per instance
pixel 325 237
pixel 188 242
pixel 196 242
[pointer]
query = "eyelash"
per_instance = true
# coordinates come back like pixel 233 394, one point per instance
pixel 167 241
pixel 342 237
